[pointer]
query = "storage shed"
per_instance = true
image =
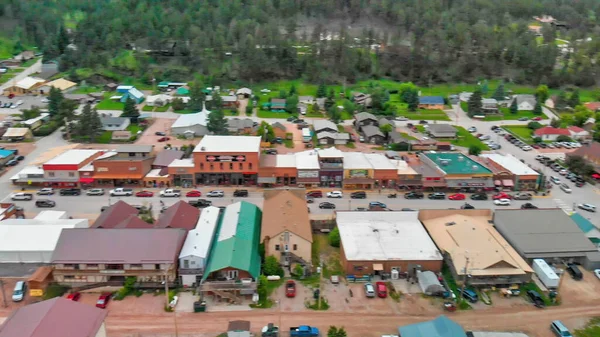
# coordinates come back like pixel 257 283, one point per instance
pixel 429 283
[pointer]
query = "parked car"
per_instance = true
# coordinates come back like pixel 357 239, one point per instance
pixel 45 191
pixel 472 129
pixel 414 195
pixel 437 196
pixel 310 200
pixel 522 196
pixel 102 301
pixel 326 205
pixel 536 298
pixel 587 207
pixel 193 194
pixel 358 195
pixel 144 194
pixel 501 195
pixel 528 205
pixel 457 196
pixel 335 194
pixel 467 206
pixel 502 202
pixel 574 271
pixel 470 295
pixel 45 203
pixel 566 188
pixel 169 193
pixel 160 133
pixel 74 296
pixel 70 191
pixel 12 162
pixel 597 273
pixel 200 203
pixel 479 196
pixel 559 329
pixel 215 194
pixel 373 204
pixel 95 191
pixel 163 139
pixel 555 180
pixel 21 196
pixel 369 290
pixel 381 289
pixel 19 158
pixel 240 193
pixel 314 194
pixel 290 288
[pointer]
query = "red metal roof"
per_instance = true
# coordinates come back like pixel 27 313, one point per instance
pixel 592 105
pixel 548 130
pixel 575 129
pixel 114 215
pixel 179 215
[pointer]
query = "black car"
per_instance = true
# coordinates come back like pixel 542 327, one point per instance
pixel 327 205
pixel 271 151
pixel 536 298
pixel 413 195
pixel 240 193
pixel 278 140
pixel 467 206
pixel 200 203
pixel 479 196
pixel 160 133
pixel 358 195
pixel 291 119
pixel 422 122
pixel 45 203
pixel 437 196
pixel 19 158
pixel 528 205
pixel 70 191
pixel 298 121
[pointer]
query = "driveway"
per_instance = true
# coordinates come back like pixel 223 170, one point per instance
pixel 163 125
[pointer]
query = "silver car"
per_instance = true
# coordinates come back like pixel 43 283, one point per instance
pixel 95 191
pixel 215 194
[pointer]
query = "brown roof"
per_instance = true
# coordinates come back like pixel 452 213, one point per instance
pixel 166 157
pixel 590 151
pixel 285 210
pixel 133 221
pixel 40 274
pixel 239 326
pixel 55 317
pixel 97 245
pixel 114 215
pixel 179 215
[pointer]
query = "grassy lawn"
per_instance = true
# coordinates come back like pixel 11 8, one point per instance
pixel 520 131
pixel 29 63
pixel 185 111
pixel 109 104
pixel 506 114
pixel 592 329
pixel 148 108
pixel 134 128
pixel 407 136
pixel 288 143
pixel 105 137
pixel 87 89
pixel 465 139
pixel 163 108
pixel 270 114
pixel 6 77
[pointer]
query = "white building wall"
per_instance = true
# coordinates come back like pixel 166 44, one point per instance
pixel 25 257
pixel 102 331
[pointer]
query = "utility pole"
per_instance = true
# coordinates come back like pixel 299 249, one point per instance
pixel 320 282
pixel 3 293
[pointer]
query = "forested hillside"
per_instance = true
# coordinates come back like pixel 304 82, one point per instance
pixel 425 41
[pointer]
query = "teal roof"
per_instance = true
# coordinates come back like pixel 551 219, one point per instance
pixel 182 91
pixel 439 327
pixel 584 224
pixel 236 240
pixel 163 84
pixel 456 163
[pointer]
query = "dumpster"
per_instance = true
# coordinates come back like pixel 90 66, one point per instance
pixel 200 306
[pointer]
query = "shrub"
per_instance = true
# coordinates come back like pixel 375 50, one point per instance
pixel 272 266
pixel 334 238
pixel 46 129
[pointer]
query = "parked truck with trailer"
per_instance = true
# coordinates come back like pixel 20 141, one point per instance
pixel 545 273
pixel 304 331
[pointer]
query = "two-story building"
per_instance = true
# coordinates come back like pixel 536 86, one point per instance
pixel 84 255
pixel 590 153
pixel 358 171
pixel 385 172
pixel 308 168
pixel 126 166
pixel 227 160
pixel 285 230
pixel 364 118
pixel 331 161
pixel 460 172
pixel 277 170
pixel 63 170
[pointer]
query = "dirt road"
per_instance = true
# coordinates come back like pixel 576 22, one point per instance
pixel 527 319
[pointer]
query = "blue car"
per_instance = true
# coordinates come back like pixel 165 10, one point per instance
pixel 470 295
pixel 377 204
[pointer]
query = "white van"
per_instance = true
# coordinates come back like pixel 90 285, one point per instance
pixel 19 292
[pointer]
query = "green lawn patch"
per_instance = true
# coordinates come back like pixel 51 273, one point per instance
pixel 465 139
pixel 134 128
pixel 105 137
pixel 270 114
pixel 350 145
pixel 346 115
pixel 185 111
pixel 314 115
pixel 109 104
pixel 6 77
pixel 592 329
pixel 231 112
pixel 87 89
pixel 288 143
pixel 407 136
pixel 520 131
pixel 148 108
pixel 163 108
pixel 29 63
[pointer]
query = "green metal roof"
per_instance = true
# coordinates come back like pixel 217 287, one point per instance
pixel 237 239
pixel 163 84
pixel 584 224
pixel 182 91
pixel 439 327
pixel 456 163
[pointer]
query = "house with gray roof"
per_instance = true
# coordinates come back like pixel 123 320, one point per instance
pixel 524 102
pixel 372 134
pixel 114 123
pixel 364 118
pixel 333 138
pixel 323 125
pixel 489 105
pixel 441 131
pixel 241 126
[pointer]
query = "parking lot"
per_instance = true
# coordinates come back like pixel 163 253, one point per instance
pixel 28 102
pixel 148 137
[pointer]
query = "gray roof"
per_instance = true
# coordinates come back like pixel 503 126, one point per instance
pixel 279 126
pixel 166 157
pixel 135 148
pixel 542 233
pixel 113 120
pixel 385 121
pixel 323 124
pixel 489 101
pixel 370 131
pixel 441 128
pixel 524 98
pixel 332 135
pixel 236 123
pixel 361 116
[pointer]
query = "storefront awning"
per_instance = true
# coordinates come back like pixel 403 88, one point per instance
pixel 497 183
pixel 359 181
pixel 86 180
pixel 508 183
pixel 378 266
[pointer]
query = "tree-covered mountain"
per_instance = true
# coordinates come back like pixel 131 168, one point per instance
pixel 425 41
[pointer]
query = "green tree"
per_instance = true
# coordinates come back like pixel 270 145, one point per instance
pixel 197 97
pixel 55 97
pixel 292 90
pixel 177 104
pixel 265 130
pixel 541 93
pixel 580 115
pixel 474 150
pixel 349 106
pixel 84 122
pixel 66 110
pixel 249 108
pixel 321 91
pixel 282 93
pixel 95 127
pixel 334 237
pixel 31 113
pixel 474 104
pixel 387 128
pixel 574 99
pixel 555 123
pixel 485 88
pixel 217 123
pixel 413 101
pixel 291 104
pixel 334 114
pixel 534 125
pixel 331 94
pixel 62 39
pixel 537 109
pixel 514 108
pixel 563 138
pixel 499 93
pixel 272 266
pixel 336 332
pixel 561 101
pixel 406 90
pixel 130 110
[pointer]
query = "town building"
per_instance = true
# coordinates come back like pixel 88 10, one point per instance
pixel 587 227
pixel 244 93
pixel 431 178
pixel 285 230
pixel 179 215
pixel 331 161
pixel 117 215
pixel 408 178
pixel 126 166
pixel 17 134
pixel 510 173
pixel 36 122
pixel 60 84
pixel 333 138
pixel 563 241
pixel 524 102
pixel 590 153
pixel 277 170
pixel 114 123
pixel 133 94
pixel 358 171
pixel 6 156
pixel 26 86
pixel 372 134
pixel 196 248
pixel 551 134
pixel 460 172
pixel 308 168
pixel 489 105
pixel 191 125
pixel 63 170
pixel 279 130
pixel 55 317
pixel 431 102
pixel 441 131
pixel 158 100
pixel 227 160
pixel 363 119
pixel 373 243
pixel 29 175
pixel 182 172
pixel 473 248
pixel 323 125
pixel 234 261
pixel 85 255
pixel 278 104
pixel 241 126
pixel 441 326
pixel 385 172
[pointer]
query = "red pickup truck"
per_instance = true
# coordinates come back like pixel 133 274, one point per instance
pixel 290 288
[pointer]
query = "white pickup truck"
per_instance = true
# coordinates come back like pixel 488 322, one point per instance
pixel 121 192
pixel 169 192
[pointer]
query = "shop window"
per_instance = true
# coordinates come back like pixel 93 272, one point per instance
pixel 51 174
pixel 241 166
pixel 220 166
pixel 68 277
pixel 71 174
pixel 250 166
pixel 295 247
pixel 358 268
pixel 277 248
pixel 231 166
pixel 202 166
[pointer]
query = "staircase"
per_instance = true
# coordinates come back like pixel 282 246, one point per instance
pixel 228 296
pixel 293 258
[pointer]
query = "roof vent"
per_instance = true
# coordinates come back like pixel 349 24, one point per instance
pixel 375 230
pixel 461 158
pixel 450 223
pixel 445 162
pixel 203 149
pixel 474 167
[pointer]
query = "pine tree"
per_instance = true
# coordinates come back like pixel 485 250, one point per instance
pixel 130 110
pixel 196 97
pixel 561 100
pixel 95 125
pixel 574 99
pixel 331 94
pixel 538 108
pixel 292 90
pixel 321 91
pixel 499 94
pixel 514 108
pixel 485 88
pixel 412 99
pixel 217 123
pixel 55 97
pixel 84 122
pixel 474 104
pixel 62 40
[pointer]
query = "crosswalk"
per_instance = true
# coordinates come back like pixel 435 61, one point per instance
pixel 567 208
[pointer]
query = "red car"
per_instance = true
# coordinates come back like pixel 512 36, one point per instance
pixel 457 196
pixel 381 289
pixel 193 194
pixel 103 301
pixel 74 296
pixel 314 194
pixel 290 289
pixel 144 194
pixel 537 119
pixel 163 139
pixel 502 195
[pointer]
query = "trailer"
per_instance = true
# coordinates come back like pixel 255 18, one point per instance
pixel 545 273
pixel 306 135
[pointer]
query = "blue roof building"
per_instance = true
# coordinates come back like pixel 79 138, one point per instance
pixel 134 94
pixel 591 231
pixel 6 153
pixel 439 327
pixel 124 88
pixel 431 100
